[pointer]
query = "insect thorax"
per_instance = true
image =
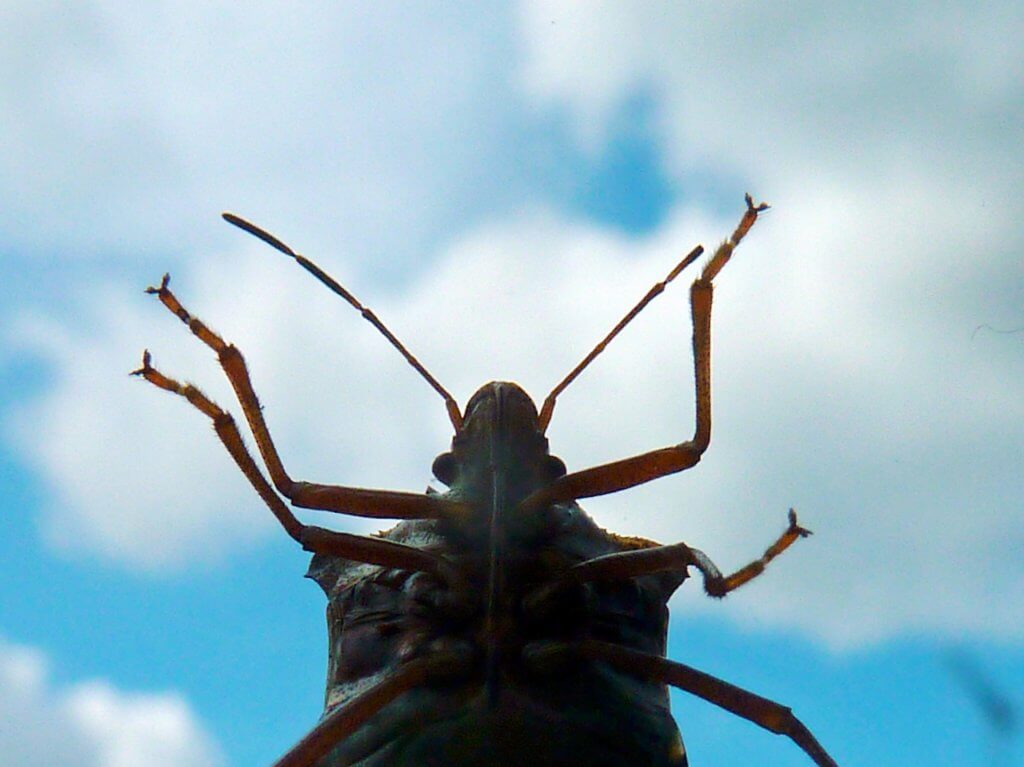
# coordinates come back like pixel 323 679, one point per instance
pixel 509 712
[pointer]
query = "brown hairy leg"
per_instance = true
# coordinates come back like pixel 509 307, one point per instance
pixel 337 498
pixel 360 548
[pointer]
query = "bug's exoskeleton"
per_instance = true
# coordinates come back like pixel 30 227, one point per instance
pixel 497 624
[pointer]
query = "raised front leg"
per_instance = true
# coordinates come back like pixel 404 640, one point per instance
pixel 628 472
pixel 345 500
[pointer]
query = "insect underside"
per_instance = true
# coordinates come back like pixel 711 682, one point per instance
pixel 496 624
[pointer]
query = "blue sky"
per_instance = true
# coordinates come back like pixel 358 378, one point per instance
pixel 500 183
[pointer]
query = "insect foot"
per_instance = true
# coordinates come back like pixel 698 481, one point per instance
pixel 718 586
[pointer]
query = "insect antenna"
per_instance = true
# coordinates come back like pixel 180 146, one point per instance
pixel 656 289
pixel 454 414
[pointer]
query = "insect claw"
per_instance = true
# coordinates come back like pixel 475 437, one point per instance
pixel 164 282
pixel 803 532
pixel 760 208
pixel 145 365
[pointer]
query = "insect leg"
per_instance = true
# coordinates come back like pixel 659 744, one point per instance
pixel 356 547
pixel 763 712
pixel 337 498
pixel 345 719
pixel 676 557
pixel 679 556
pixel 629 472
pixel 718 586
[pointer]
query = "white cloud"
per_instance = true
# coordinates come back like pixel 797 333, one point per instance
pixel 115 493
pixel 134 729
pixel 126 126
pixel 92 724
pixel 793 91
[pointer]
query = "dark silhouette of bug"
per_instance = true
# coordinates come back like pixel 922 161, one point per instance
pixel 497 624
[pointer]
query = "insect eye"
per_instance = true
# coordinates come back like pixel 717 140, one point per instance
pixel 445 469
pixel 556 467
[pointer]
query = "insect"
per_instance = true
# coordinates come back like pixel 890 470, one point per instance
pixel 496 624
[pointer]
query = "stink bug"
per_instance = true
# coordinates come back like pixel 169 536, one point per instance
pixel 497 624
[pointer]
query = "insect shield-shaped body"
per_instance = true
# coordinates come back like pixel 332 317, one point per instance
pixel 510 705
pixel 497 625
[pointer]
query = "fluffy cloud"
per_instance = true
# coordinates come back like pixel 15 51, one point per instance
pixel 793 90
pixel 92 724
pixel 125 126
